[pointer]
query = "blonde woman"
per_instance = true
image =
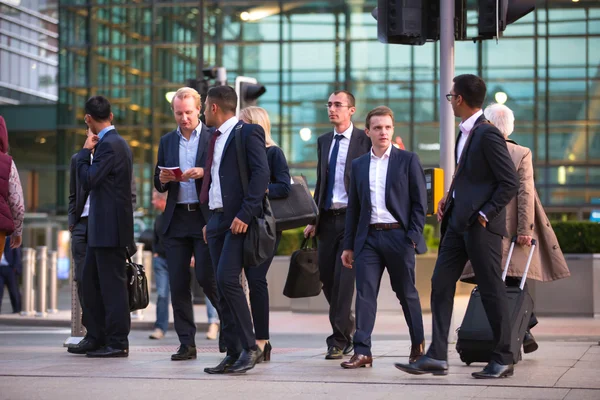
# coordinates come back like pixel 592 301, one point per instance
pixel 279 187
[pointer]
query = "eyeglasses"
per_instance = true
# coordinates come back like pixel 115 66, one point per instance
pixel 337 105
pixel 449 96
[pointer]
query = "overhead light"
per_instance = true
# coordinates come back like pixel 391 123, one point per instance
pixel 134 143
pixel 259 13
pixel 575 1
pixel 305 134
pixel 500 97
pixel 562 175
pixel 169 96
pixel 572 157
pixel 134 107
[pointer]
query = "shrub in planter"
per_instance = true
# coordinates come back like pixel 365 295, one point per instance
pixel 578 236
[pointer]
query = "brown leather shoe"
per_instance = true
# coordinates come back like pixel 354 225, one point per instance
pixel 357 361
pixel 416 352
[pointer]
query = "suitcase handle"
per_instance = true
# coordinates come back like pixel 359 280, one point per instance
pixel 529 257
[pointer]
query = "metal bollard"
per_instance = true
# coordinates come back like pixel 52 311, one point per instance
pixel 28 269
pixel 53 283
pixel 42 282
pixel 138 258
pixel 148 267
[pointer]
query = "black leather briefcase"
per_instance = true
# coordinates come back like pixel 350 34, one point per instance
pixel 298 209
pixel 137 285
pixel 303 278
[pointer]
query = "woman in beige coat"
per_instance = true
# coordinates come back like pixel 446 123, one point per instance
pixel 526 219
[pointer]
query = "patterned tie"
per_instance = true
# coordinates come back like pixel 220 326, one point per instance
pixel 331 172
pixel 207 175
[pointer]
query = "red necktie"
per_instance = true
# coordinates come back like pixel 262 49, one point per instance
pixel 207 175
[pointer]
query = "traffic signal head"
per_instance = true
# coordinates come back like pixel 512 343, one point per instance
pixel 248 91
pixel 495 15
pixel 402 21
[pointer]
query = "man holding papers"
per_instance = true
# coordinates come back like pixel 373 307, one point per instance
pixel 178 172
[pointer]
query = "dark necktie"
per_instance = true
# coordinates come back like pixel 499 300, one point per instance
pixel 207 166
pixel 331 172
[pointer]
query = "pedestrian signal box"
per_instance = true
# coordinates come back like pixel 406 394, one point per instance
pixel 434 181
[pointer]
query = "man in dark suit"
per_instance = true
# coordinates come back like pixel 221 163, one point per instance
pixel 384 229
pixel 184 216
pixel 11 266
pixel 110 231
pixel 232 211
pixel 335 152
pixel 473 223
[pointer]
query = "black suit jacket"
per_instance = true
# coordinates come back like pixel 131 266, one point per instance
pixel 168 156
pixel 77 194
pixel 235 204
pixel 108 180
pixel 485 180
pixel 360 144
pixel 405 199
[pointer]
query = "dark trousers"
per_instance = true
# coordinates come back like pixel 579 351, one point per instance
pixel 338 281
pixel 259 294
pixel 184 238
pixel 484 250
pixel 78 250
pixel 516 282
pixel 9 278
pixel 226 250
pixel 105 296
pixel 394 250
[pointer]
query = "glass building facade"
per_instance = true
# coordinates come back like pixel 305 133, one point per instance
pixel 135 51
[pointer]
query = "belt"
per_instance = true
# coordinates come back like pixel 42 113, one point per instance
pixel 189 206
pixel 336 211
pixel 385 227
pixel 218 210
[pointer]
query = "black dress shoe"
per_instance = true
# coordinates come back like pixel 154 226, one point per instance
pixel 425 365
pixel 334 353
pixel 108 352
pixel 529 343
pixel 84 346
pixel 349 348
pixel 247 360
pixel 494 370
pixel 223 366
pixel 184 352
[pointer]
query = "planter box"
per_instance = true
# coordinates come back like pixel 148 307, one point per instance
pixel 578 295
pixel 387 300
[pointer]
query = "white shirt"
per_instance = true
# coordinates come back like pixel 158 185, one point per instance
pixel 466 127
pixel 378 168
pixel 86 207
pixel 340 196
pixel 215 197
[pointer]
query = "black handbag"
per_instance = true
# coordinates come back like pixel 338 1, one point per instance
pixel 137 285
pixel 298 209
pixel 303 278
pixel 259 243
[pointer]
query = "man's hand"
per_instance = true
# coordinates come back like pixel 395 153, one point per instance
pixel 91 141
pixel 482 220
pixel 15 241
pixel 309 231
pixel 193 173
pixel 524 240
pixel 166 176
pixel 204 234
pixel 193 262
pixel 238 226
pixel 71 227
pixel 440 209
pixel 347 258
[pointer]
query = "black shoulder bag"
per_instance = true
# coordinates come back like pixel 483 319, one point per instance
pixel 137 285
pixel 259 243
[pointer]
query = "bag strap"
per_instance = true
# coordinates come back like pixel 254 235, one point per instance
pixel 128 255
pixel 314 244
pixel 241 158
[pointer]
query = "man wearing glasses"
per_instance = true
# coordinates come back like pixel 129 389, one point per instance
pixel 335 152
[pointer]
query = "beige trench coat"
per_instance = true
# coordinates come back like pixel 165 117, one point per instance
pixel 525 215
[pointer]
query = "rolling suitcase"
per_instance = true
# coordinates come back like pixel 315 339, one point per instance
pixel 475 338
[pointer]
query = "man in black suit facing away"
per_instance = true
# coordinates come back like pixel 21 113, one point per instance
pixel 473 223
pixel 184 217
pixel 335 152
pixel 110 232
pixel 384 229
pixel 232 211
